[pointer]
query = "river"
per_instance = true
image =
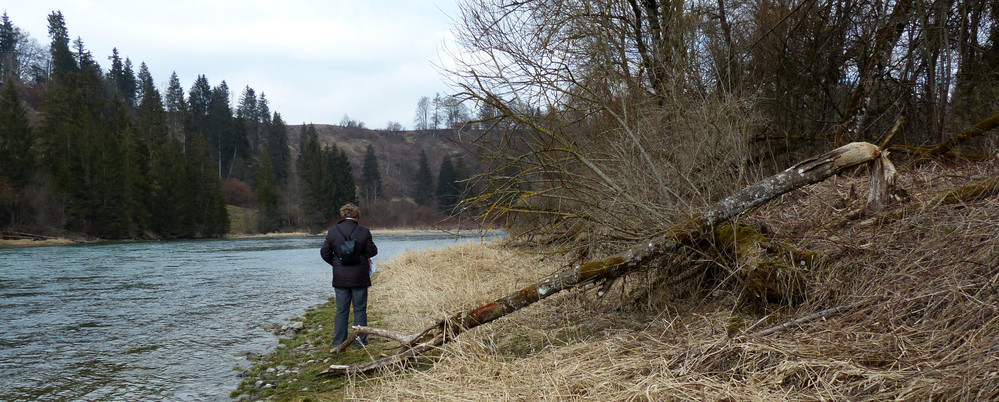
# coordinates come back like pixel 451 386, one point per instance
pixel 165 320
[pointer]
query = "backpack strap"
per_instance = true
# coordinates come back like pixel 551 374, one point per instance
pixel 348 236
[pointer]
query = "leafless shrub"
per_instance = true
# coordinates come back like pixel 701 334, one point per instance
pixel 922 291
pixel 596 134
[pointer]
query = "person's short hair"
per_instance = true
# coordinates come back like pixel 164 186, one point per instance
pixel 350 211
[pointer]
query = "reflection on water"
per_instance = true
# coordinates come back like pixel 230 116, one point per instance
pixel 155 320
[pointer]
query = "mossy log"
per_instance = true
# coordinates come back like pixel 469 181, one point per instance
pixel 972 192
pixel 917 152
pixel 942 148
pixel 768 269
pixel 687 233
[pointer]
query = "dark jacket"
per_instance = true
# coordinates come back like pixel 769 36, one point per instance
pixel 349 276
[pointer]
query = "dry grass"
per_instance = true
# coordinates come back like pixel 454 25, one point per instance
pixel 926 325
pixel 418 289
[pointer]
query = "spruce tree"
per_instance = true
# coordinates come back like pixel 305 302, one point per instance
pixel 121 79
pixel 9 36
pixel 171 200
pixel 268 201
pixel 277 148
pixel 17 160
pixel 326 181
pixel 248 116
pixel 176 107
pixel 199 103
pixel 228 137
pixel 62 58
pixel 314 179
pixel 424 182
pixel 448 193
pixel 345 190
pixel 211 219
pixel 130 86
pixel 370 176
pixel 151 136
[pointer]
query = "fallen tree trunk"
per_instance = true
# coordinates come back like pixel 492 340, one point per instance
pixel 968 134
pixel 768 269
pixel 970 193
pixel 686 233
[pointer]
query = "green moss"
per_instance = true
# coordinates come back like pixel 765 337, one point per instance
pixel 303 356
pixel 769 269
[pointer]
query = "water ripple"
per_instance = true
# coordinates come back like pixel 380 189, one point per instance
pixel 154 320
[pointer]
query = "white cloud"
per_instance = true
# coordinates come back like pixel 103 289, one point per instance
pixel 315 60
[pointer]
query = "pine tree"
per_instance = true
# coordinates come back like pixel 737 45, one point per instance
pixel 448 193
pixel 62 58
pixel 199 103
pixel 9 37
pixel 424 182
pixel 172 193
pixel 345 190
pixel 176 107
pixel 277 148
pixel 313 179
pixel 268 199
pixel 17 160
pixel 151 135
pixel 247 115
pixel 122 79
pixel 370 176
pixel 211 219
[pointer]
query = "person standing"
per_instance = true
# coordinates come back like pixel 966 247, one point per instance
pixel 351 279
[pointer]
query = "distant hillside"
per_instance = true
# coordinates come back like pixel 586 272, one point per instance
pixel 398 152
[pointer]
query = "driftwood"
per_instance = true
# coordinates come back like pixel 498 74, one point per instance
pixel 686 233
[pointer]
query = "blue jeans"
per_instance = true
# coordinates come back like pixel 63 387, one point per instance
pixel 345 297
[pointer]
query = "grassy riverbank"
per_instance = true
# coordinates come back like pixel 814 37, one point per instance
pixel 900 305
pixel 409 293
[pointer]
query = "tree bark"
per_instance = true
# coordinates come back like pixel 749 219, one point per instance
pixel 884 41
pixel 968 134
pixel 686 233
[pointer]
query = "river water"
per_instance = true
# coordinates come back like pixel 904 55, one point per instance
pixel 156 320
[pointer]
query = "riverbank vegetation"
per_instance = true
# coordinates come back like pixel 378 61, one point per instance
pixel 412 290
pixel 898 305
pixel 616 126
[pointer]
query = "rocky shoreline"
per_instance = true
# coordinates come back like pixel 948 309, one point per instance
pixel 303 351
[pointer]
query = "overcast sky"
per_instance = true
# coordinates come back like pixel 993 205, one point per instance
pixel 315 60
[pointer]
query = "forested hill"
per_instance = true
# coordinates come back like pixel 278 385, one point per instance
pixel 397 152
pixel 418 176
pixel 104 153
